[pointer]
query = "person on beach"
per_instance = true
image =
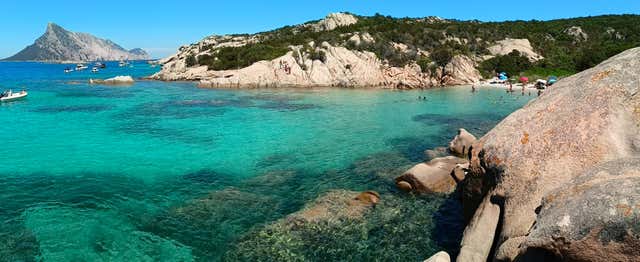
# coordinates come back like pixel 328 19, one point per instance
pixel 473 88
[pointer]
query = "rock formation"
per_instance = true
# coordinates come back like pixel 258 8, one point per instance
pixel 577 33
pixel 439 257
pixel 441 173
pixel 507 45
pixel 333 21
pixel 118 80
pixel 342 67
pixel 434 176
pixel 592 218
pixel 478 236
pixel 546 149
pixel 58 44
pixel 461 143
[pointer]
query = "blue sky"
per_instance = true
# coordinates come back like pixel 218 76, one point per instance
pixel 161 27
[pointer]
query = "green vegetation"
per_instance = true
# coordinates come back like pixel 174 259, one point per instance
pixel 512 63
pixel 607 36
pixel 191 60
pixel 424 63
pixel 237 57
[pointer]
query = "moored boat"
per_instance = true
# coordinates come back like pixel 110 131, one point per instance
pixel 9 96
pixel 80 67
pixel 94 69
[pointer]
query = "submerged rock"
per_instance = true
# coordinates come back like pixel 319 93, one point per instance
pixel 439 257
pixel 434 176
pixel 430 154
pixel 337 227
pixel 337 205
pixel 583 120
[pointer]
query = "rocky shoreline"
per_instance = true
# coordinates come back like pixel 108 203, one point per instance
pixel 342 68
pixel 345 63
pixel 558 179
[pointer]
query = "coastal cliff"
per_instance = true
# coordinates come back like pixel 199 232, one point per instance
pixel 315 64
pixel 347 50
pixel 338 67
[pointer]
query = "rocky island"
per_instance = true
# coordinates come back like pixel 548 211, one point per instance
pixel 60 45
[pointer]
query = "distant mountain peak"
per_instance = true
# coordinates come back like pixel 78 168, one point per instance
pixel 59 44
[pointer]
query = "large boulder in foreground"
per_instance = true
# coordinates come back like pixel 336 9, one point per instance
pixel 583 120
pixel 593 218
pixel 434 176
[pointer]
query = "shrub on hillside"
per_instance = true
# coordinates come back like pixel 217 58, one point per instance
pixel 512 63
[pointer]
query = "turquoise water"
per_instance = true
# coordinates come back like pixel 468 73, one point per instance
pixel 152 171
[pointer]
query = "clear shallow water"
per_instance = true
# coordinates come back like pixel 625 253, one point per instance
pixel 164 170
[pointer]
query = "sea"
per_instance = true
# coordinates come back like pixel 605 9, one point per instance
pixel 167 171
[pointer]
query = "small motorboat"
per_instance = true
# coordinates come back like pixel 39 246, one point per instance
pixel 9 96
pixel 123 63
pixel 68 70
pixel 94 69
pixel 100 65
pixel 80 67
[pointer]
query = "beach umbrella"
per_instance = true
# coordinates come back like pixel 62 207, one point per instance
pixel 552 79
pixel 503 77
pixel 524 79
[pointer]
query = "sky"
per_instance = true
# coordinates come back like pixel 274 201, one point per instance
pixel 160 27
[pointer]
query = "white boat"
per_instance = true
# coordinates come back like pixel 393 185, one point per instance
pixel 8 96
pixel 68 70
pixel 123 63
pixel 94 69
pixel 81 67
